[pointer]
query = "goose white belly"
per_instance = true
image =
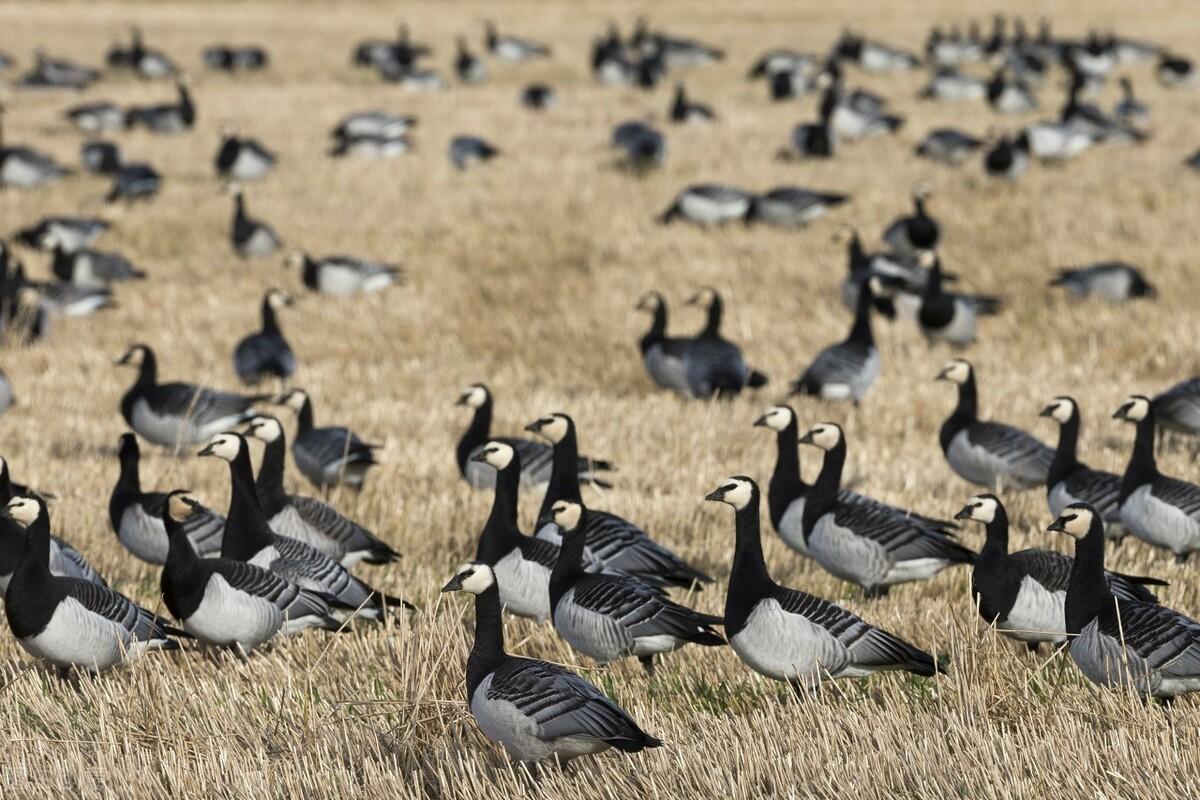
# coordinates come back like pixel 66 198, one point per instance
pixel 249 165
pixel 1037 615
pixel 960 329
pixel 791 527
pixel 787 646
pixel 340 280
pixel 16 171
pixel 503 722
pixel 75 636
pixel 708 211
pixel 228 616
pixel 1158 523
pixel 260 243
pixel 524 586
pixel 1014 101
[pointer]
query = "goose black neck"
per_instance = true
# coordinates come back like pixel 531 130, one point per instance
pixel 246 530
pixel 487 653
pixel 823 494
pixel 270 324
pixel 564 475
pixel 858 256
pixel 786 483
pixel 933 282
pixel 239 208
pixel 749 580
pixel 148 371
pixel 967 408
pixel 476 434
pixel 860 332
pixel 311 270
pixel 715 311
pixel 32 595
pixel 269 483
pixel 304 417
pixel 1142 467
pixel 504 503
pixel 34 567
pixel 996 543
pixel 1066 458
pixel 181 560
pixel 658 327
pixel 569 566
pixel 1087 592
pixel 6 490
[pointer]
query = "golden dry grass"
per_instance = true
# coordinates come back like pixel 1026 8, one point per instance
pixel 524 275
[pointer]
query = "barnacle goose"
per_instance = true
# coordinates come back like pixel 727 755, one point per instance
pixel 847 369
pixel 468 150
pixel 662 355
pixel 69 233
pixel 1008 157
pixel 242 159
pixel 867 545
pixel 1071 481
pixel 607 616
pixel 64 559
pixel 24 167
pixel 539 97
pixel 147 63
pixel 1056 141
pixel 329 456
pixel 266 353
pixel 467 66
pixel 787 635
pixel 813 139
pixel 69 300
pixel 511 48
pixel 1114 281
pixel 919 231
pixel 617 544
pixel 610 62
pixel 851 117
pixel 953 49
pixel 71 622
pixel 1175 71
pixel 708 204
pixel 899 277
pixel 947 83
pixel 343 276
pixel 134 182
pixel 781 60
pixel 792 206
pixel 57 73
pixel 305 518
pixel 250 237
pixel 91 269
pixel 998 457
pixel 534 709
pixel 1118 642
pixel 1129 109
pixel 1178 408
pixel 644 146
pixel 537 458
pixel 100 157
pixel 1161 511
pixel 712 365
pixel 373 123
pixel 874 56
pixel 101 117
pixel 1024 593
pixel 235 58
pixel 175 414
pixel 948 146
pixel 1010 96
pixel 176 117
pixel 370 146
pixel 950 317
pixel 684 110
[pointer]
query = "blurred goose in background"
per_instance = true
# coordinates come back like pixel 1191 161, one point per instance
pixel 373 123
pixel 611 63
pixel 947 83
pixel 813 139
pixel 370 146
pixel 63 559
pixel 1175 71
pixel 1129 109
pixel 918 231
pixel 242 159
pixel 1008 158
pixel 330 456
pixel 467 66
pixel 708 204
pixel 100 157
pixel 684 110
pixel 713 365
pixel 643 145
pixel 466 151
pixel 781 60
pixel 895 273
pixel 142 60
pixel 1071 481
pixel 874 56
pixel 1178 408
pixel 266 353
pixel 950 317
pixel 235 58
pixel 88 268
pixel 23 167
pixel 948 146
pixel 792 206
pixel 662 355
pixel 512 48
pixel 101 117
pixel 1114 281
pixel 847 369
pixel 343 276
pixel 134 182
pixel 539 97
pixel 857 115
pixel 1010 95
pixel 250 237
pixel 57 73
pixel 177 117
pixel 68 233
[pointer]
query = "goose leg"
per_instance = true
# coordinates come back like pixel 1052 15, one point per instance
pixel 1033 647
pixel 647 664
pixel 875 592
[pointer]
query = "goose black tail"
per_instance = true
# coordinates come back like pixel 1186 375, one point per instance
pixel 757 380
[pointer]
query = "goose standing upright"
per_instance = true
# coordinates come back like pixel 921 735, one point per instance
pixel 947 317
pixel 662 355
pixel 684 110
pixel 467 66
pixel 266 353
pixel 250 237
pixel 1071 481
pixel 329 456
pixel 65 560
pixel 847 369
pixel 712 365
pixel 916 232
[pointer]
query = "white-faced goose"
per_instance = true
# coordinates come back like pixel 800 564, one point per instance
pixel 662 355
pixel 847 369
pixel 467 66
pixel 948 146
pixel 787 635
pixel 1024 593
pixel 177 117
pixel 175 414
pixel 65 560
pixel 242 159
pixel 70 622
pixel 918 231
pixel 136 516
pixel 713 365
pixel 96 117
pixel 947 316
pixel 466 151
pixel 305 518
pixel 998 457
pixel 684 110
pixel 1070 481
pixel 534 709
pixel 537 458
pixel 69 233
pixel 1178 408
pixel 1161 511
pixel 91 269
pixel 250 237
pixel 708 204
pixel 329 456
pixel 1114 281
pixel 343 276
pixel 266 353
pixel 1008 157
pixel 792 206
pixel 24 167
pixel 512 48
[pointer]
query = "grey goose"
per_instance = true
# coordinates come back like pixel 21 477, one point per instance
pixel 708 204
pixel 133 182
pixel 643 146
pixel 948 83
pixel 64 559
pixel 1008 157
pixel 383 124
pixel 856 115
pixel 813 139
pixel 1009 94
pixel 91 269
pixel 950 317
pixel 662 355
pixel 948 146
pixel 1070 481
pixel 24 167
pixel 1114 281
pixel 370 146
pixel 343 276
pixel 177 117
pixel 100 157
pixel 792 206
pixel 242 159
pixel 235 58
pixel 49 72
pixel 845 370
pixel 1178 408
pixel 101 117
pixel 266 353
pixel 512 48
pixel 141 60
pixel 250 237
pixel 466 151
pixel 69 233
pixel 328 456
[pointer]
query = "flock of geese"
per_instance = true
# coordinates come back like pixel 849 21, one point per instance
pixel 277 564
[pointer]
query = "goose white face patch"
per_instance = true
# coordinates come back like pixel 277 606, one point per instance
pixel 778 418
pixel 1060 409
pixel 566 514
pixel 739 495
pixel 23 509
pixel 476 578
pixel 179 507
pixel 277 299
pixel 266 429
pixel 1136 409
pixel 957 371
pixel 225 446
pixel 825 436
pixel 555 429
pixel 295 400
pixel 497 454
pixel 983 508
pixel 1076 520
pixel 475 396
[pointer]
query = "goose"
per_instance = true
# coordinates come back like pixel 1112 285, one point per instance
pixel 991 454
pixel 266 353
pixel 101 117
pixel 466 151
pixel 136 516
pixel 684 110
pixel 781 60
pixel 609 61
pixel 847 369
pixel 511 48
pixel 899 277
pixel 792 207
pixel 534 709
pixel 7 397
pixel 92 269
pixel 1054 142
pixel 1114 281
pixel 229 603
pixel 814 139
pixel 1178 408
pixel 1091 121
pixel 64 560
pixel 787 635
pixel 147 63
pixel 856 115
pixel 950 317
pixel 1024 593
pixel 177 117
pixel 330 456
pixel 250 237
pixel 644 146
pixel 537 458
pixel 134 182
pixel 1008 158
pixel 1009 96
pixel 539 97
pixel 1118 642
pixel 606 616
pixel 948 146
pixel 947 83
pixel 951 50
pixel 305 518
pixel 100 157
pixel 343 276
pixel 469 67
pixel 712 365
pixel 370 146
pixel 1071 481
pixel 69 233
pixel 249 538
pixel 874 56
pixel 1161 511
pixel 1175 71
pixel 69 300
pixel 233 58
pixel 242 159
pixel 708 204
pixel 374 123
pixel 617 544
pixel 1129 109
pixel 662 355
pixel 24 167
pixel 175 414
pixel 57 73
pixel 918 231
pixel 678 53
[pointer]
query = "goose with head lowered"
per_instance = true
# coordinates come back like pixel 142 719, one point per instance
pixel 71 622
pixel 708 204
pixel 1071 481
pixel 99 117
pixel 177 414
pixel 948 146
pixel 787 635
pixel 1008 157
pixel 1024 593
pixel 617 544
pixel 713 365
pixel 343 276
pixel 1161 511
pixel 69 233
pixel 100 157
pixel 1117 642
pixel 250 237
pixel 177 117
pixel 88 268
pixel 242 159
pixel 846 370
pixel 792 206
pixel 916 232
pixel 329 456
pixel 996 456
pixel 535 710
pixel 23 167
pixel 466 151
pixel 1114 281
pixel 64 559
pixel 305 518
pixel 537 458
pixel 266 353
pixel 868 545
pixel 132 182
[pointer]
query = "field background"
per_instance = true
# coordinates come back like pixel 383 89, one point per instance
pixel 524 275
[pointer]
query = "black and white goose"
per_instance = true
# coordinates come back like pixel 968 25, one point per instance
pixel 177 117
pixel 145 61
pixel 534 709
pixel 874 56
pixel 607 617
pixel 787 635
pixel 469 67
pixel 617 544
pixel 813 139
pixel 916 232
pixel 512 48
pixel 370 146
pixel 1114 281
pixel 134 182
pixel 64 559
pixel 23 167
pixel 57 73
pixel 856 115
pixel 1161 511
pixel 847 369
pixel 539 97
pixel 662 355
pixel 137 516
pixel 1129 109
pixel 466 151
pixel 644 146
pixel 100 157
pixel 1008 157
pixel 537 458
pixel 1178 408
pixel 948 83
pixel 266 353
pixel 69 300
pixel 867 545
pixel 1071 481
pixel 1175 71
pixel 948 146
pixel 381 124
pixel 950 317
pixel 250 237
pixel 96 117
pixel 713 365
pixel 329 456
pixel 1117 642
pixel 993 455
pixel 71 622
pixel 1024 593
pixel 242 159
pixel 307 519
pixel 343 276
pixel 176 414
pixel 792 206
pixel 235 58
pixel 69 233
pixel 708 204
pixel 91 269
pixel 1010 95
pixel 684 110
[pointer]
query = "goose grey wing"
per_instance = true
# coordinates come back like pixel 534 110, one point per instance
pixel 1179 406
pixel 712 364
pixel 204 528
pixel 197 402
pixel 1024 454
pixel 840 363
pixel 289 598
pixel 903 539
pixel 940 526
pixel 637 608
pixel 1181 494
pixel 260 351
pixel 1101 489
pixel 331 523
pixel 117 608
pixel 1048 567
pixel 1166 639
pixel 309 568
pixel 539 551
pixel 73 564
pixel 330 445
pixel 625 547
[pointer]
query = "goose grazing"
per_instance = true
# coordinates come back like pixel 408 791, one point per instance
pixel 712 365
pixel 1161 511
pixel 645 147
pixel 304 518
pixel 65 560
pixel 91 269
pixel 511 48
pixel 787 635
pixel 864 544
pixel 228 603
pixel 537 458
pixel 948 146
pixel 534 709
pixel 1008 158
pixel 539 97
pixel 175 414
pixel 24 167
pixel 792 207
pixel 845 370
pixel 1054 142
pixel 68 300
pixel 607 617
pixel 469 67
pixel 57 73
pixel 137 516
pixel 813 139
pixel 177 117
pixel 71 622
pixel 1114 281
pixel 618 545
pixel 100 157
pixel 1071 481
pixel 1117 642
pixel 250 237
pixel 466 151
pixel 857 115
pixel 96 117
pixel 684 110
pixel 266 353
pixel 919 231
pixel 134 182
pixel 331 456
pixel 874 56
pixel 147 63
pixel 1129 109
pixel 1178 408
pixel 69 233
pixel 370 146
pixel 242 159
pixel 1024 593
pixel 1175 71
pixel 708 204
pixel 373 123
pixel 343 276
pixel 947 83
pixel 1010 96
pixel 950 317
pixel 235 58
pixel 993 455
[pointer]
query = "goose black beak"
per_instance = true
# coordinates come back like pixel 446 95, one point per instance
pixel 716 496
pixel 1121 413
pixel 1058 526
pixel 807 438
pixel 207 451
pixel 462 400
pixel 1046 412
pixel 546 519
pixel 480 457
pixel 534 426
pixel 453 585
pixel 944 375
pixel 964 513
